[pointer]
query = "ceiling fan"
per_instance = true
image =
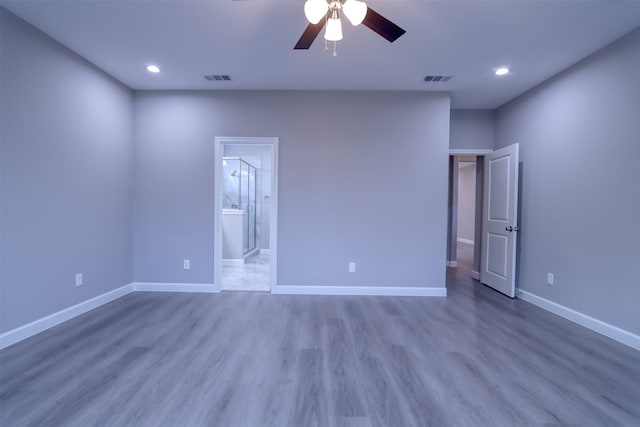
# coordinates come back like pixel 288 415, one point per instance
pixel 321 12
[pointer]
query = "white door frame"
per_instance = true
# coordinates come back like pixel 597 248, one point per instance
pixel 463 152
pixel 220 142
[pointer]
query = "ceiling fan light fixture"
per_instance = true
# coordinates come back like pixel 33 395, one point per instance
pixel 355 11
pixel 315 10
pixel 333 33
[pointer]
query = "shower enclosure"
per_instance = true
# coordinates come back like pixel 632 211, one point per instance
pixel 239 180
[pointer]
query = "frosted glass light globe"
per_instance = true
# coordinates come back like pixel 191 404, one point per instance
pixel 333 33
pixel 355 11
pixel 315 10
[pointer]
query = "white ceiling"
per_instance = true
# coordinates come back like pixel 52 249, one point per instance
pixel 253 41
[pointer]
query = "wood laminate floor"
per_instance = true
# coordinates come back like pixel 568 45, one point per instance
pixel 475 358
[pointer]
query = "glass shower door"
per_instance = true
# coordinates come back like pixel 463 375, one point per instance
pixel 240 192
pixel 251 214
pixel 244 202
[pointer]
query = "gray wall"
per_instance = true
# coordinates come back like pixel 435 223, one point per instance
pixel 466 200
pixel 66 138
pixel 472 129
pixel 362 177
pixel 579 135
pixel 477 249
pixel 452 211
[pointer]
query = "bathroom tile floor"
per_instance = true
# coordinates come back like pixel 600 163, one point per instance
pixel 253 275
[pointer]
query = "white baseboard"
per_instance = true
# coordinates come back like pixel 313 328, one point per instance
pixel 25 331
pixel 452 263
pixel 613 332
pixel 475 275
pixel 467 241
pixel 400 291
pixel 175 287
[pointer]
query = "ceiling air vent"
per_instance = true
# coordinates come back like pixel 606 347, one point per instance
pixel 217 77
pixel 437 78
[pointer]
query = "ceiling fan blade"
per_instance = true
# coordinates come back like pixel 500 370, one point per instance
pixel 382 25
pixel 310 34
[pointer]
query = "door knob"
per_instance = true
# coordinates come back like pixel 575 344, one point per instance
pixel 510 228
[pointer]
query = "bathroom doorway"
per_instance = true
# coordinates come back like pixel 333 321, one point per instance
pixel 246 213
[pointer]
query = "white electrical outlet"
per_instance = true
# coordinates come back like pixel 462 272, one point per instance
pixel 352 267
pixel 79 281
pixel 550 278
pixel 186 264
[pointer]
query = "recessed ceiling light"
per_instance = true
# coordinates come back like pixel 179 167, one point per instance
pixel 153 69
pixel 502 71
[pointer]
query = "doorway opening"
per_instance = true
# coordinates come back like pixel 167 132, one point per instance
pixel 496 217
pixel 246 213
pixel 465 235
pixel 464 231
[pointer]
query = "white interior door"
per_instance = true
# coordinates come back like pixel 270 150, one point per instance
pixel 499 220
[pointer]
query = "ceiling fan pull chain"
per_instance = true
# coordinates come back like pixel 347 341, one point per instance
pixel 334 49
